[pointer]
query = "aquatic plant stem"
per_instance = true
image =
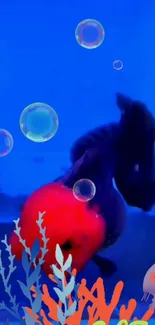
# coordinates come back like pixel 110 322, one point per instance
pixel 63 288
pixel 14 308
pixel 11 312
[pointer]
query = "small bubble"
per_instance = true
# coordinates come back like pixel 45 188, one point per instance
pixel 6 142
pixel 39 122
pixel 89 33
pixel 84 190
pixel 117 64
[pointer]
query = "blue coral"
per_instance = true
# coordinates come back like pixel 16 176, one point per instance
pixel 14 308
pixel 64 290
pixel 32 276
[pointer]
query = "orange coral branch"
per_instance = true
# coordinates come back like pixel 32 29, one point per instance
pixel 50 303
pixel 106 311
pixel 126 313
pixel 34 316
pixel 93 315
pixel 149 313
pixel 45 320
pixel 147 316
pixel 99 310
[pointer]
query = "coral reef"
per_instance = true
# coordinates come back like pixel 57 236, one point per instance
pixel 72 298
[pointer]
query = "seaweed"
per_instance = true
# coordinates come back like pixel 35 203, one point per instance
pixel 99 310
pixel 73 297
pixel 67 288
pixel 14 308
pixel 36 247
pixel 29 258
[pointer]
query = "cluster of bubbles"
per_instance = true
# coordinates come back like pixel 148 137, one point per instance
pixel 39 121
pixel 90 34
pixel 84 190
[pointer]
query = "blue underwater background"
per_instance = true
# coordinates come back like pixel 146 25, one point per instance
pixel 40 60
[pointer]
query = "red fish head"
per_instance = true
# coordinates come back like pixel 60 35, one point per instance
pixel 70 223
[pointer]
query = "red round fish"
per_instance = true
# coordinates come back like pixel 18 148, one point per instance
pixel 79 230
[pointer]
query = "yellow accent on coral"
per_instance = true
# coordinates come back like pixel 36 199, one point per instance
pixel 123 322
pixel 139 322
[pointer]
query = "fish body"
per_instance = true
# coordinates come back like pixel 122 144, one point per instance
pixel 103 154
pixel 70 223
pixel 81 229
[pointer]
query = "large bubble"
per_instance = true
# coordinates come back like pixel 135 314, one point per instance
pixel 39 122
pixel 89 33
pixel 84 190
pixel 6 142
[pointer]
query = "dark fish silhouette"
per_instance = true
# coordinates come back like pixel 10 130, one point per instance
pixel 129 146
pixel 107 201
pixel 135 168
